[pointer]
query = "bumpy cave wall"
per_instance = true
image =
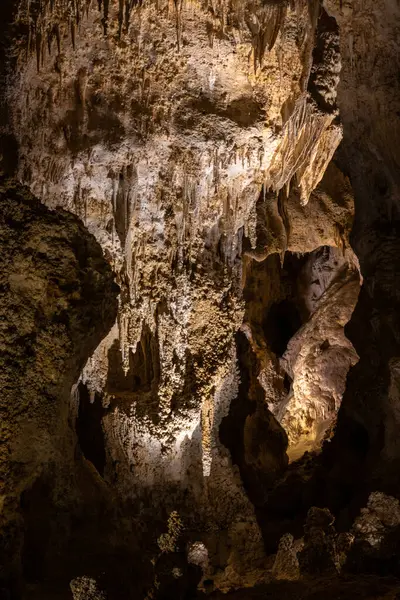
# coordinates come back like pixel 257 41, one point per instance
pixel 368 97
pixel 362 455
pixel 58 300
pixel 194 140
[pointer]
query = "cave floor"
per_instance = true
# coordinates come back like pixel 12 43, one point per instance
pixel 366 587
pixel 344 588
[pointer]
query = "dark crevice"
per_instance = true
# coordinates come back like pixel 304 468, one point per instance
pixel 274 305
pixel 280 325
pixel 89 428
pixel 279 300
pixel 324 76
pixel 256 441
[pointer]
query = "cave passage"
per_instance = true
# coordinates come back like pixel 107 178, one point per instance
pixel 280 325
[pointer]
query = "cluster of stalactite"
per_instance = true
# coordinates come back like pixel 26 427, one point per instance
pixel 47 22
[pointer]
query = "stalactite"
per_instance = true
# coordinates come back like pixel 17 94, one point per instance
pixel 283 212
pixel 78 14
pixel 49 41
pixel 125 206
pixel 123 341
pixel 114 192
pixel 264 19
pixel 106 6
pixel 207 418
pixel 120 17
pixel 73 33
pixel 42 49
pixel 178 17
pixel 339 237
pixel 306 131
pixel 76 197
pixel 273 23
pixel 85 200
pixel 38 47
pixel 128 9
pixel 58 37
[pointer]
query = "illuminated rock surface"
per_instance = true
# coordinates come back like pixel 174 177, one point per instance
pixel 216 154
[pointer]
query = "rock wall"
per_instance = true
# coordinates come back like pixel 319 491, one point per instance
pixel 58 301
pixel 366 438
pixel 194 140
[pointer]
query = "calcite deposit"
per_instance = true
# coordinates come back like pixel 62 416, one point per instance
pixel 194 168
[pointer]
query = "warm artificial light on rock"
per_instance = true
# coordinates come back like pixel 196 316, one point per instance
pixel 211 150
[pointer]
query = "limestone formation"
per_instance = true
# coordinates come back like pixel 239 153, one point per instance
pixel 318 553
pixel 200 236
pixel 286 565
pixel 318 367
pixel 58 300
pixel 85 588
pixel 381 515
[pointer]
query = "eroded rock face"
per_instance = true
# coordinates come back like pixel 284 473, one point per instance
pixel 286 565
pixel 318 367
pixel 362 455
pixel 365 452
pixel 381 514
pixel 158 126
pixel 194 141
pixel 58 300
pixel 85 588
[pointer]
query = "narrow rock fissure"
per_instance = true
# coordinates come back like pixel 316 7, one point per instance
pixel 89 428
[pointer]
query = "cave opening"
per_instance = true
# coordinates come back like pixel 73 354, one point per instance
pixel 292 322
pixel 280 324
pixel 89 428
pixel 298 286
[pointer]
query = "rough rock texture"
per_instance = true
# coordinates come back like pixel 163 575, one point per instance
pixel 368 588
pixel 364 455
pixel 84 588
pixel 361 456
pixel 194 140
pixel 318 554
pixel 286 565
pixel 58 300
pixel 159 132
pixel 319 355
pixel 381 513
